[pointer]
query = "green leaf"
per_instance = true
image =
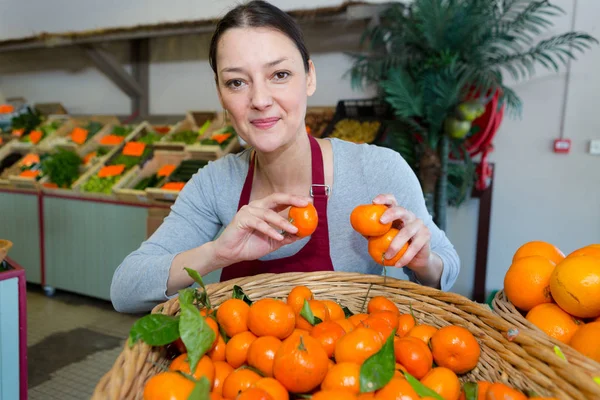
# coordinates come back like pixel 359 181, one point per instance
pixel 347 312
pixel 201 390
pixel 471 390
pixel 198 279
pixel 238 293
pixel 378 369
pixel 421 389
pixel 155 330
pixel 559 353
pixel 196 334
pixel 308 315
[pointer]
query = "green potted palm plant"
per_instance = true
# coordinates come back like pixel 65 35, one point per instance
pixel 438 63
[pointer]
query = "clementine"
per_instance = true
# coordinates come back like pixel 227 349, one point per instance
pixel 254 393
pixel 366 219
pixel 222 371
pixel 335 310
pixel 380 303
pixel 261 354
pixel 500 391
pixel 575 286
pixel 305 219
pixel 397 388
pixel 406 322
pixel 527 282
pixel 344 376
pixel 414 355
pixel 232 316
pixel 273 387
pixel 423 332
pixel 297 296
pixel 379 245
pixel 238 381
pixel 270 317
pixel 553 321
pixel 444 382
pixel 204 368
pixel 327 334
pixel 539 248
pixel 236 350
pixel 168 385
pixel 318 309
pixel 455 348
pixel 357 345
pixel 590 250
pixel 586 340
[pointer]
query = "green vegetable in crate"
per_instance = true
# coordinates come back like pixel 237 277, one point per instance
pixel 187 137
pixel 62 168
pixel 122 130
pixel 27 121
pixel 221 137
pixel 356 131
pixel 149 138
pixel 100 185
pixel 130 161
pixel 93 127
pixel 186 170
pixel 151 181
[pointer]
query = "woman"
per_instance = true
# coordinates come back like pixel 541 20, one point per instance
pixel 264 75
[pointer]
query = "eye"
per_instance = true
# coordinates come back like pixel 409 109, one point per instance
pixel 281 75
pixel 234 83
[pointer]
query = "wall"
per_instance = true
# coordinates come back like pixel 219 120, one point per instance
pixel 538 195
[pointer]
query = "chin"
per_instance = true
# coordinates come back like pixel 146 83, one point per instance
pixel 267 142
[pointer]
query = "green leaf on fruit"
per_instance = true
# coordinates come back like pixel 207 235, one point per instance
pixel 201 390
pixel 378 369
pixel 347 312
pixel 238 293
pixel 155 330
pixel 195 333
pixel 471 390
pixel 198 279
pixel 421 389
pixel 308 315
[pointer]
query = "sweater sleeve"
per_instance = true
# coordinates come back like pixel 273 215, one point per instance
pixel 390 173
pixel 140 282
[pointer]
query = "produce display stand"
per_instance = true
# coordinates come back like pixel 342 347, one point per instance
pixel 7 177
pixel 13 331
pixel 192 122
pixel 318 118
pixel 46 143
pixel 518 361
pixel 91 144
pixel 211 152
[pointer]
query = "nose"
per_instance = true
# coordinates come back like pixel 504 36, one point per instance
pixel 261 96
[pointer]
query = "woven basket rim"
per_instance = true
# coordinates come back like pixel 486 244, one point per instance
pixel 522 353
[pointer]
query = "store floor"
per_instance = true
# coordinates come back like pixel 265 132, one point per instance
pixel 72 342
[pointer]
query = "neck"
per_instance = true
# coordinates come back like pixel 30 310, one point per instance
pixel 288 170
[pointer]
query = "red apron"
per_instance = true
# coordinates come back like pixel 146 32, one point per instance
pixel 314 256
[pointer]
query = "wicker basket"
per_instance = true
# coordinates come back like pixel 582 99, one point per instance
pixel 503 307
pixel 521 362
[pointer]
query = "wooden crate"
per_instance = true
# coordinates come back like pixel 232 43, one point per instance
pixel 108 121
pixel 188 124
pixel 161 195
pixel 318 118
pixel 46 143
pixel 77 187
pixel 5 182
pixel 16 181
pixel 124 188
pixel 200 151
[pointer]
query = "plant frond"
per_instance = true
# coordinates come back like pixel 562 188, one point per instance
pixel 403 94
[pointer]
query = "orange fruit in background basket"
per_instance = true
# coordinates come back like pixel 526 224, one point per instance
pixel 344 376
pixel 499 391
pixel 297 296
pixel 413 355
pixel 575 286
pixel 423 332
pixel 345 324
pixel 455 348
pixel 365 219
pixel 318 309
pixel 270 317
pixel 586 340
pixel 444 382
pixel 217 353
pixel 406 322
pixel 205 367
pixel 397 388
pixel 333 395
pixel 327 334
pixel 222 371
pixel 254 394
pixel 232 316
pixel 261 354
pixel 380 303
pixel 273 387
pixel 300 363
pixel 379 325
pixel 378 246
pixel 238 381
pixel 305 219
pixel 168 385
pixel 527 282
pixel 592 250
pixel 553 321
pixel 539 248
pixel 391 317
pixel 236 350
pixel 335 310
pixel 215 328
pixel 357 345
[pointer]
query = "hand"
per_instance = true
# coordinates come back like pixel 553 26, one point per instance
pixel 412 230
pixel 255 230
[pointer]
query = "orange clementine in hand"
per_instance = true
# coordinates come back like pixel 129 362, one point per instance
pixel 455 348
pixel 379 245
pixel 539 248
pixel 297 296
pixel 232 316
pixel 204 368
pixel 270 317
pixel 444 382
pixel 553 321
pixel 168 385
pixel 586 340
pixel 365 219
pixel 575 286
pixel 261 354
pixel 300 363
pixel 305 219
pixel 527 282
pixel 413 355
pixel 345 376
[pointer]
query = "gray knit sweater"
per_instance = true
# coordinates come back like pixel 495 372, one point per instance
pixel 209 201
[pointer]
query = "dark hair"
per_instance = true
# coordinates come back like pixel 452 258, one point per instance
pixel 258 14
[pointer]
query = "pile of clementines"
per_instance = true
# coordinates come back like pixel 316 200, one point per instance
pixel 301 347
pixel 558 294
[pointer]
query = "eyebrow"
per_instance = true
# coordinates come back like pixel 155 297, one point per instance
pixel 267 65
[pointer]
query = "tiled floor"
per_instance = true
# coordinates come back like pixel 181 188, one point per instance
pixel 72 342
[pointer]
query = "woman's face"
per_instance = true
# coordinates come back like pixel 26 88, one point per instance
pixel 263 85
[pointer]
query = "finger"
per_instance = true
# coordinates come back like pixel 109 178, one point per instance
pixel 261 226
pixel 276 200
pixel 404 235
pixel 418 243
pixel 273 218
pixel 397 214
pixel 387 199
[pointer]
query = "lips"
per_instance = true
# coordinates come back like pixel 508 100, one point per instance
pixel 264 123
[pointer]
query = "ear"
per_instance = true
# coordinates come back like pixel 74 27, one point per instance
pixel 311 79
